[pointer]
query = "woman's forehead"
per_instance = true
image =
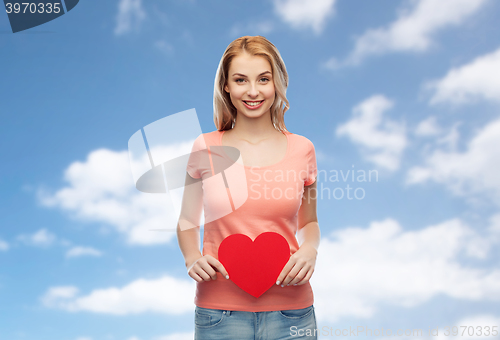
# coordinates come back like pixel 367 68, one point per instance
pixel 249 65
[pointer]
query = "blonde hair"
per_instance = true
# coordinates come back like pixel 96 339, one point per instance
pixel 224 110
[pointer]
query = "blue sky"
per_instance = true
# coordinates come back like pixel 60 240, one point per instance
pixel 409 89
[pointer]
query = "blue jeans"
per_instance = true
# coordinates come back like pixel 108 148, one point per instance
pixel 220 324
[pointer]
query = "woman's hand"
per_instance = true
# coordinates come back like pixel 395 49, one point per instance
pixel 299 267
pixel 202 269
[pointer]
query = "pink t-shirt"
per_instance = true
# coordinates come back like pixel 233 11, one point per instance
pixel 271 203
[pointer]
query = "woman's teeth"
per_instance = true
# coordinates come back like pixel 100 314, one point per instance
pixel 254 103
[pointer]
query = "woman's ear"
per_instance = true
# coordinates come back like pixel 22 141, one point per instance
pixel 226 88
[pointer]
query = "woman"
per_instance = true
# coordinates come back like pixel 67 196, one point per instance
pixel 280 173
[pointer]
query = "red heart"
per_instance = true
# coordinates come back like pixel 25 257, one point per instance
pixel 254 266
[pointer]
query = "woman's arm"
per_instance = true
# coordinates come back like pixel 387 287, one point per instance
pixel 308 232
pixel 188 230
pixel 200 268
pixel 300 266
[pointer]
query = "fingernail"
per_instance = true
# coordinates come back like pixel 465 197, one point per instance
pixel 278 282
pixel 294 284
pixel 227 276
pixel 282 285
pixel 288 284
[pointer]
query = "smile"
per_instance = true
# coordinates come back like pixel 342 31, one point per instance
pixel 253 104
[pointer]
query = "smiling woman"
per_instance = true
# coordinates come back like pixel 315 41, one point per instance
pixel 247 88
pixel 249 108
pixel 266 74
pixel 252 104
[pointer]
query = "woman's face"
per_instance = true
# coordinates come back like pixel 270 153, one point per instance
pixel 250 85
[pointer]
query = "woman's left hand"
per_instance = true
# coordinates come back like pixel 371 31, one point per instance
pixel 299 267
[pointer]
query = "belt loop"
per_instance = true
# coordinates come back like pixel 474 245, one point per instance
pixel 228 313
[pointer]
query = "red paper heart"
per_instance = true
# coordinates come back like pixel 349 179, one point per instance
pixel 254 266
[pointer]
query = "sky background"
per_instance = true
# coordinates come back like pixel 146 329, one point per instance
pixel 409 89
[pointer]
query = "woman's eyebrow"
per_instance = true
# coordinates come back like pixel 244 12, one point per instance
pixel 239 74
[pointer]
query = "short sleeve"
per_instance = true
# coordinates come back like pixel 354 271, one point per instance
pixel 193 168
pixel 312 170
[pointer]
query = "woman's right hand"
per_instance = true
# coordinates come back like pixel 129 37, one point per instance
pixel 202 269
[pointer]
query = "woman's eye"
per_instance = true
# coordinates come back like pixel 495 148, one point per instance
pixel 242 80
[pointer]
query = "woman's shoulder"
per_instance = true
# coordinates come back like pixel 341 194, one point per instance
pixel 208 138
pixel 300 141
pixel 209 134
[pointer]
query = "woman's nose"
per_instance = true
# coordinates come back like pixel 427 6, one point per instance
pixel 253 91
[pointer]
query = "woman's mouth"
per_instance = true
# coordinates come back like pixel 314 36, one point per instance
pixel 252 105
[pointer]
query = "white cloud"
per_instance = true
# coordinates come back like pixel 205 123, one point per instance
pixel 359 270
pixel 82 251
pixel 83 338
pixel 477 80
pixel 428 127
pixel 4 246
pixel 494 227
pixel 382 140
pixel 302 14
pixel 164 295
pixel 412 31
pixel 130 15
pixel 58 293
pixel 40 238
pixel 472 173
pixel 451 138
pixel 102 189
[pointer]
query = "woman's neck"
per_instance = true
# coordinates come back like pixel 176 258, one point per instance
pixel 253 129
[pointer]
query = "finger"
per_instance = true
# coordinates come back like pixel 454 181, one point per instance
pixel 214 264
pixel 199 270
pixel 305 279
pixel 291 274
pixel 220 268
pixel 195 276
pixel 209 270
pixel 202 273
pixel 192 272
pixel 300 275
pixel 223 270
pixel 285 271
